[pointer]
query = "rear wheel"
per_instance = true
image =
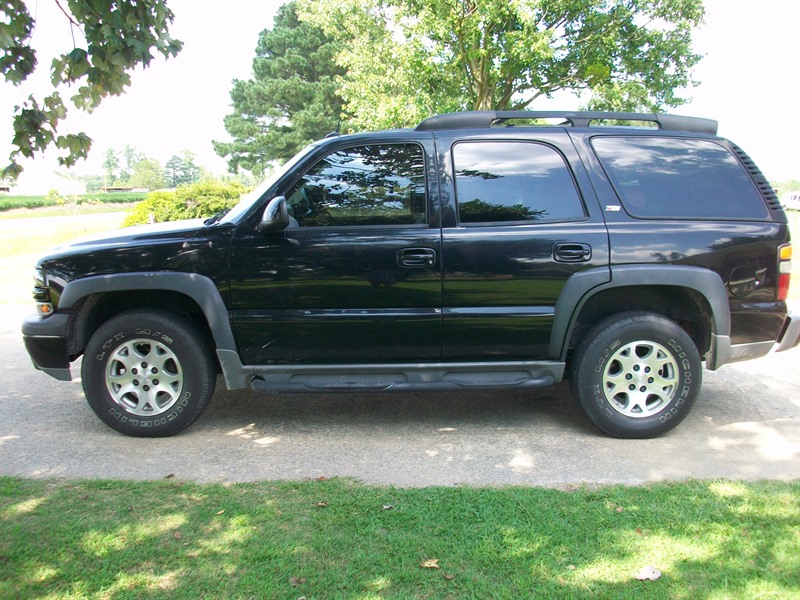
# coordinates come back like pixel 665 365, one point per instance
pixel 636 375
pixel 148 373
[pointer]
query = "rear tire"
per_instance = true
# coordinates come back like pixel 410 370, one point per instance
pixel 636 375
pixel 148 373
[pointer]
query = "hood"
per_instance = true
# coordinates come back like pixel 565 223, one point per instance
pixel 137 235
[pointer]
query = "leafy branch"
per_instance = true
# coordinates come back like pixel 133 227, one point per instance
pixel 118 37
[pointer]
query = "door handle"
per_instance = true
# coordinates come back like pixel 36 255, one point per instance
pixel 416 257
pixel 572 252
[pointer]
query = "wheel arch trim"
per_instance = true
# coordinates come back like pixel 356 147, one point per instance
pixel 586 284
pixel 199 288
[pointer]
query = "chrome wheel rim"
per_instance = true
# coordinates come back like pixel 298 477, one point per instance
pixel 144 377
pixel 640 379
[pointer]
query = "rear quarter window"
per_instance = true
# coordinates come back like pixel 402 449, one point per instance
pixel 678 178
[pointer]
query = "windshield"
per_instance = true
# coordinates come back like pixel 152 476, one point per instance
pixel 249 199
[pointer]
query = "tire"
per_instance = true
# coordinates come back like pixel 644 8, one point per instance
pixel 636 375
pixel 148 373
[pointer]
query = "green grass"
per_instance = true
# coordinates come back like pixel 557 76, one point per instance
pixel 22 245
pixel 340 539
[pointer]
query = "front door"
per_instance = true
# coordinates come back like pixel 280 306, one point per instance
pixel 356 277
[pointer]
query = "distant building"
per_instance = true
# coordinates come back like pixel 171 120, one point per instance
pixel 110 189
pixel 40 182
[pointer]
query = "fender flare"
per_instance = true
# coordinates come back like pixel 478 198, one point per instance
pixel 197 287
pixel 584 285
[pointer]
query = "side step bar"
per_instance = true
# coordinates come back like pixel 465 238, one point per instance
pixel 406 377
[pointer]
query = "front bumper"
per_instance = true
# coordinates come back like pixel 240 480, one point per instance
pixel 46 342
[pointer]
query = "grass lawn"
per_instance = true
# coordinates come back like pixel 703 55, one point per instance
pixel 27 234
pixel 340 539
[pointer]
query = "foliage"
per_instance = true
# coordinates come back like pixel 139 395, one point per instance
pixel 147 173
pixel 791 185
pixel 340 539
pixel 188 201
pixel 181 169
pixel 409 59
pixel 30 202
pixel 291 99
pixel 116 37
pixel 111 165
pixel 131 168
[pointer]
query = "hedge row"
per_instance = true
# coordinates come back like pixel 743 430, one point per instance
pixel 11 202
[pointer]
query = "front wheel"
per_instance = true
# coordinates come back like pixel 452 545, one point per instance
pixel 148 373
pixel 636 375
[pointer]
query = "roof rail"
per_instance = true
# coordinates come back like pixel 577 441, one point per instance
pixel 488 118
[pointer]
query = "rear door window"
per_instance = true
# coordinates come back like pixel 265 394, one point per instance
pixel 678 178
pixel 500 181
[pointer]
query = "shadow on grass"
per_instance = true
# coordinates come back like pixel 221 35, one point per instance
pixel 340 539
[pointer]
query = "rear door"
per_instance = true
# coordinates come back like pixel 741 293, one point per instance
pixel 520 228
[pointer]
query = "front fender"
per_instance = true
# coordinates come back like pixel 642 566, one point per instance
pixel 198 287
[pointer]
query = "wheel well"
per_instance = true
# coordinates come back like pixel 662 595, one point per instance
pixel 686 307
pixel 92 311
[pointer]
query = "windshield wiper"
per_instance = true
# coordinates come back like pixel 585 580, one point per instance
pixel 216 217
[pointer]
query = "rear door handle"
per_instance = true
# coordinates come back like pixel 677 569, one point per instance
pixel 416 257
pixel 572 252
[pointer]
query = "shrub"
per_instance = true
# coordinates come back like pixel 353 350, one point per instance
pixel 188 201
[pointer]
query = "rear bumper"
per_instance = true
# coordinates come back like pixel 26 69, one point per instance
pixel 790 334
pixel 724 352
pixel 46 342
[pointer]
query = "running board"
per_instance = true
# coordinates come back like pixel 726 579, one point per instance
pixel 405 378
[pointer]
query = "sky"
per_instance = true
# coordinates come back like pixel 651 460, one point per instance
pixel 750 83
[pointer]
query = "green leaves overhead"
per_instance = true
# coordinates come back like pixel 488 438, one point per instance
pixel 409 59
pixel 111 39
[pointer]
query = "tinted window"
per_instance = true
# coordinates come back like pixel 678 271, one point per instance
pixel 366 185
pixel 678 178
pixel 513 181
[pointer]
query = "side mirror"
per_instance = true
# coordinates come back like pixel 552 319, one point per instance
pixel 276 215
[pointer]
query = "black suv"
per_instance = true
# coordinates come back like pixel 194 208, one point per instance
pixel 481 250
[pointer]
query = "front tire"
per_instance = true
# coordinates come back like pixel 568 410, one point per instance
pixel 636 375
pixel 148 373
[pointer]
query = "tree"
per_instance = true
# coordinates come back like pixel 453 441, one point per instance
pixel 291 99
pixel 130 157
pixel 181 169
pixel 147 173
pixel 111 166
pixel 112 38
pixel 409 59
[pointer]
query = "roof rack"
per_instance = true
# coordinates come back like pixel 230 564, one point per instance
pixel 489 118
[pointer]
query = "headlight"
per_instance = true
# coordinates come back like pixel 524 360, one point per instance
pixel 39 278
pixel 41 293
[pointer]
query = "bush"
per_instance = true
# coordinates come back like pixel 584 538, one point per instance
pixel 188 201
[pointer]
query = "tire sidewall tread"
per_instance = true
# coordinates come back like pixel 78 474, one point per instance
pixel 169 329
pixel 600 344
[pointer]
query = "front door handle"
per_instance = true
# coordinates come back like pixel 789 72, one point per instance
pixel 572 252
pixel 416 257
